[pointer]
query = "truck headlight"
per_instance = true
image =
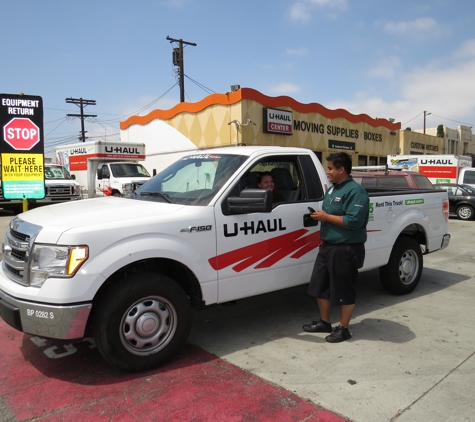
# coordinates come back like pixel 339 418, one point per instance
pixel 76 190
pixel 55 261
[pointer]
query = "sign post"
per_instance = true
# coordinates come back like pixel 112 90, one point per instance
pixel 22 147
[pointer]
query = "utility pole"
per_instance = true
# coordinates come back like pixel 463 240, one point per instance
pixel 81 103
pixel 180 63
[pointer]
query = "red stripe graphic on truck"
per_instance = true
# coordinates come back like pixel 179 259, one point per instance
pixel 268 252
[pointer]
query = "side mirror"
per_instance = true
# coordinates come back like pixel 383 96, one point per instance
pixel 73 176
pixel 251 200
pixel 99 173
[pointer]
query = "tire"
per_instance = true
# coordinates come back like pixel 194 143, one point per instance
pixel 404 269
pixel 142 321
pixel 465 212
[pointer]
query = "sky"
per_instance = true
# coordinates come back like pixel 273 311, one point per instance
pixel 391 59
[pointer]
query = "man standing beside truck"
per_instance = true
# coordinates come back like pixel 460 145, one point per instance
pixel 344 217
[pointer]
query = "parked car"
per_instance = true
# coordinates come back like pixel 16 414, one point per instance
pixel 392 179
pixel 461 199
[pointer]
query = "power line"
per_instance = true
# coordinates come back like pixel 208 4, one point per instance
pixel 145 107
pixel 455 121
pixel 403 124
pixel 207 90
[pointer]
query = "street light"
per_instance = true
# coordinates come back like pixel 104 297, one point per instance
pixel 425 115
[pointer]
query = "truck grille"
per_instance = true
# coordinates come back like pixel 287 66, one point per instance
pixel 59 190
pixel 16 250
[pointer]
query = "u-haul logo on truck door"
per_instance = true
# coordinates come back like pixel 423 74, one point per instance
pixel 261 226
pixel 268 252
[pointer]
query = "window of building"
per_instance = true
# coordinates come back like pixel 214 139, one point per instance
pixel 373 161
pixel 362 160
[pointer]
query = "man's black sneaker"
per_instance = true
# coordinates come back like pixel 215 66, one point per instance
pixel 339 334
pixel 318 327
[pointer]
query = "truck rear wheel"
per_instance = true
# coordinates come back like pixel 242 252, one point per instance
pixel 142 321
pixel 404 269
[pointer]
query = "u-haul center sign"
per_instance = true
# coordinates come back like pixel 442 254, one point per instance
pixel 22 146
pixel 278 121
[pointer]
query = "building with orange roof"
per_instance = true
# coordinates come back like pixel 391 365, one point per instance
pixel 247 117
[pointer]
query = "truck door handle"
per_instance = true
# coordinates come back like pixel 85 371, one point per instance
pixel 309 221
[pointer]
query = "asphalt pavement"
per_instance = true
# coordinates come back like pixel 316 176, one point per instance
pixel 411 357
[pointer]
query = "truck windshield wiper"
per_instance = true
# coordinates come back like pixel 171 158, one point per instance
pixel 159 194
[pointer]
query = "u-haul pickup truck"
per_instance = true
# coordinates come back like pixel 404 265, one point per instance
pixel 437 168
pixel 104 168
pixel 197 234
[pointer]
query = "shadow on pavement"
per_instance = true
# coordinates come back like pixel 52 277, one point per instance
pixel 272 316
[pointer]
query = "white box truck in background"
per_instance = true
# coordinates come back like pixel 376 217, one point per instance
pixel 437 168
pixel 104 168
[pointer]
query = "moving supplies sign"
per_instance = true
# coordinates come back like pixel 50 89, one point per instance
pixel 22 146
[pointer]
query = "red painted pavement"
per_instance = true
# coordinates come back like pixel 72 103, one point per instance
pixel 69 381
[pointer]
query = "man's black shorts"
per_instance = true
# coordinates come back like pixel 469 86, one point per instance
pixel 335 272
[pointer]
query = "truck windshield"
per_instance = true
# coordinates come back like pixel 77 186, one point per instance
pixel 193 180
pixel 56 172
pixel 129 170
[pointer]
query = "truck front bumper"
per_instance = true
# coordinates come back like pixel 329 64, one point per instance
pixel 53 321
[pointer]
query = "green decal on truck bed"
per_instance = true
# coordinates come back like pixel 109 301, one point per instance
pixel 414 201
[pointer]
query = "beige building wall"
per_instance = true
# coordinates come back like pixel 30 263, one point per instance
pixel 456 141
pixel 238 117
pixel 418 143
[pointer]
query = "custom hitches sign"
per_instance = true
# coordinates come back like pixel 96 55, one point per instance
pixel 22 146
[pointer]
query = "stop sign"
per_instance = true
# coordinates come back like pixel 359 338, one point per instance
pixel 21 133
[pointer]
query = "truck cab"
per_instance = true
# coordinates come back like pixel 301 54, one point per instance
pixel 60 185
pixel 113 177
pixel 392 179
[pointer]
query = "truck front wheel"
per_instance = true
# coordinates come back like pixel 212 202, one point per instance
pixel 404 269
pixel 142 321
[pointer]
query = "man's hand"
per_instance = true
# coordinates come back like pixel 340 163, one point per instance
pixel 321 215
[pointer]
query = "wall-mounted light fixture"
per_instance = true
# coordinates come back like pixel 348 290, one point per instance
pixel 239 127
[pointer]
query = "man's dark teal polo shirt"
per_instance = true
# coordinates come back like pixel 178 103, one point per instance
pixel 350 200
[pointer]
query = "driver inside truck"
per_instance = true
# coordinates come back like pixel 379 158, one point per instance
pixel 265 180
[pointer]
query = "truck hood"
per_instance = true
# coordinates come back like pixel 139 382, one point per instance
pixel 59 218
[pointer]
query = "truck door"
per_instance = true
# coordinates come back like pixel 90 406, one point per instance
pixel 103 185
pixel 263 252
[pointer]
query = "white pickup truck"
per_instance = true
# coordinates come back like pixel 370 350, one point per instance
pixel 197 234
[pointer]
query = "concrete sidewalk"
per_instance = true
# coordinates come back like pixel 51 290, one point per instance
pixel 411 357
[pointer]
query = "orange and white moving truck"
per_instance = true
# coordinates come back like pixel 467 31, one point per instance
pixel 437 168
pixel 104 168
